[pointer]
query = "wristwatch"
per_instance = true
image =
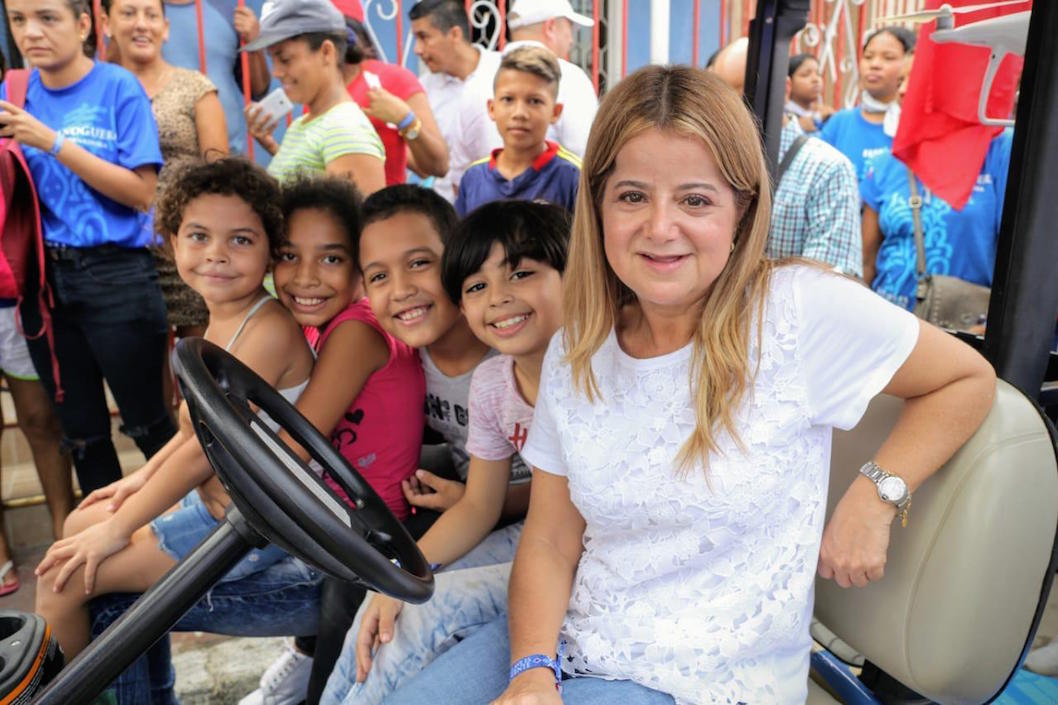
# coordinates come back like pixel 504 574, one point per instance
pixel 891 488
pixel 411 132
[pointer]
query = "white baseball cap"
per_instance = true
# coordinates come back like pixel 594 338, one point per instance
pixel 527 12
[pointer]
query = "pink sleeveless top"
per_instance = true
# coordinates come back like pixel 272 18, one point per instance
pixel 381 433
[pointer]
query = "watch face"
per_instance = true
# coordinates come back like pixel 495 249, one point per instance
pixel 892 489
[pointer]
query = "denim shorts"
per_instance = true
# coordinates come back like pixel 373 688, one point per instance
pixel 180 531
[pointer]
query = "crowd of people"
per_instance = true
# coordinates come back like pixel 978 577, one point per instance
pixel 579 384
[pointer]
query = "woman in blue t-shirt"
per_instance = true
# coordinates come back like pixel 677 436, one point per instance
pixel 960 243
pixel 863 132
pixel 92 146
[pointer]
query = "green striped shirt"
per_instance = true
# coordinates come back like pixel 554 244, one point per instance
pixel 310 145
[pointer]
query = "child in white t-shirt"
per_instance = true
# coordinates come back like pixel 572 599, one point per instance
pixel 504 265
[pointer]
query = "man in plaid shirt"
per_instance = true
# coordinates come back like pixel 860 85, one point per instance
pixel 816 207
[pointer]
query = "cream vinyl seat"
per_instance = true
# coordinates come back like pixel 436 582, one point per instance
pixel 966 581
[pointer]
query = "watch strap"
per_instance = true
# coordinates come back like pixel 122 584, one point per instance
pixel 876 474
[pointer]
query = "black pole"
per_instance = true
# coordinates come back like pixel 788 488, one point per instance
pixel 1021 313
pixel 770 33
pixel 151 616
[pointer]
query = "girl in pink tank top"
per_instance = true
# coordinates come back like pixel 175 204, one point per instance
pixel 367 388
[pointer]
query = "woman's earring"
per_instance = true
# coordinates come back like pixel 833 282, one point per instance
pixel 732 247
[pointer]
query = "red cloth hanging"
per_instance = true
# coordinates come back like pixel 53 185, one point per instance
pixel 939 136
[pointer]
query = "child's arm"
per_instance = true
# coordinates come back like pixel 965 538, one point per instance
pixel 186 468
pixel 353 352
pixel 459 529
pixel 267 350
pixel 120 490
pixel 470 520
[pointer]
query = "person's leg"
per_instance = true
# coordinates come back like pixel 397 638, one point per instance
pixel 83 413
pixel 132 569
pixel 281 600
pixel 37 420
pixel 128 335
pixel 473 672
pixel 463 601
pixel 596 691
pixel 339 602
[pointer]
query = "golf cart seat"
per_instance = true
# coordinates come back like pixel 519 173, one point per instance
pixel 966 582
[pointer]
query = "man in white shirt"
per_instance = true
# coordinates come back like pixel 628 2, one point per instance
pixel 550 23
pixel 458 86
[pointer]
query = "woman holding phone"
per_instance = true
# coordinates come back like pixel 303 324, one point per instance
pixel 92 146
pixel 307 42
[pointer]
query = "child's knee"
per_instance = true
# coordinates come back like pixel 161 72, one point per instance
pixel 80 519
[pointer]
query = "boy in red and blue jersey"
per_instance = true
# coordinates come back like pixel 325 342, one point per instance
pixel 528 167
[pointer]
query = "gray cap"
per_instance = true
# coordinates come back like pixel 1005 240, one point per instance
pixel 284 19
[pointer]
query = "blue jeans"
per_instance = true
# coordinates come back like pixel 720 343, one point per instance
pixel 109 325
pixel 467 595
pixel 281 600
pixel 475 671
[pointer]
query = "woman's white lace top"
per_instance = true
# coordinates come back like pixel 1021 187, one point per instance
pixel 701 587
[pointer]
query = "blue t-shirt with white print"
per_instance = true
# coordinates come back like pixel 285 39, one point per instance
pixel 856 138
pixel 959 243
pixel 107 113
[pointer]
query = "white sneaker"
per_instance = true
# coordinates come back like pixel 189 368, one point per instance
pixel 285 682
pixel 1044 660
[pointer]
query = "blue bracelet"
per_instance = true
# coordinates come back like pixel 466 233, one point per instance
pixel 539 661
pixel 407 121
pixel 59 140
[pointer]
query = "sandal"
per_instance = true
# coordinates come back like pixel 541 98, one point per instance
pixel 8 588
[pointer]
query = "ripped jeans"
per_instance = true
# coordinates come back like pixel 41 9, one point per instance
pixel 281 600
pixel 109 323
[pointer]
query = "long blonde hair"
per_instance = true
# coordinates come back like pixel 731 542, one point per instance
pixel 692 103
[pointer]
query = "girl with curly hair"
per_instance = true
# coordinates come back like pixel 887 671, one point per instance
pixel 222 221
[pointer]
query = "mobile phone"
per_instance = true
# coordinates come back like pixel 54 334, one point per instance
pixel 372 80
pixel 276 105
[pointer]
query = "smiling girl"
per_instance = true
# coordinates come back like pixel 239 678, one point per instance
pixel 367 388
pixel 92 146
pixel 222 221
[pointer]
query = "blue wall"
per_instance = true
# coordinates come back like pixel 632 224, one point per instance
pixel 681 32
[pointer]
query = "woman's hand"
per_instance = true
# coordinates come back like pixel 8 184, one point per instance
pixel 246 24
pixel 534 687
pixel 117 492
pixel 426 490
pixel 24 128
pixel 856 539
pixel 89 548
pixel 385 106
pixel 261 126
pixel 376 628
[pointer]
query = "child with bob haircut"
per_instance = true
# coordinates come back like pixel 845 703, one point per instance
pixel 221 221
pixel 504 265
pixel 528 167
pixel 681 437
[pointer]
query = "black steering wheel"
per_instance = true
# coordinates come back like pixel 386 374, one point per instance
pixel 278 494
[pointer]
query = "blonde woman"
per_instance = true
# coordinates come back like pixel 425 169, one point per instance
pixel 681 441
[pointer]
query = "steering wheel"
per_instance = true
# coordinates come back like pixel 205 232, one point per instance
pixel 278 494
